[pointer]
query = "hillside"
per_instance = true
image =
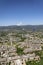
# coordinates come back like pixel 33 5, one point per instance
pixel 23 27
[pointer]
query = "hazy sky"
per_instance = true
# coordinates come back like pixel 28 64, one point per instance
pixel 21 12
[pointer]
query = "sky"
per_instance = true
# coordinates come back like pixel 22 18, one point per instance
pixel 21 12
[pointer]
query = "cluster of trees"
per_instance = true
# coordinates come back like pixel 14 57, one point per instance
pixel 3 33
pixel 35 62
pixel 20 51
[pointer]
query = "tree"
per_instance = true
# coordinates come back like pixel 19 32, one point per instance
pixel 19 51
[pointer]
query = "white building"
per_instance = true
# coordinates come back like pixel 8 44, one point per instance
pixel 18 62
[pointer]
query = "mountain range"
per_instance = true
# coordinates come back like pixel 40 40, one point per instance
pixel 22 27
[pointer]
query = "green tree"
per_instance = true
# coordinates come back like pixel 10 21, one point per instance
pixel 19 51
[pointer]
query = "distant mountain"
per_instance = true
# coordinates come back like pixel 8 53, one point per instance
pixel 23 27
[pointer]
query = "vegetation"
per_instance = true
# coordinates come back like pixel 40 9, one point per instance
pixel 19 51
pixel 3 34
pixel 42 47
pixel 39 62
pixel 8 63
pixel 35 62
pixel 38 53
pixel 22 39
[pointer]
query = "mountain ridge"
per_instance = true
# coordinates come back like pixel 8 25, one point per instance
pixel 25 27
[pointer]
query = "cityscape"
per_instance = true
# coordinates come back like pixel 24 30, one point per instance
pixel 21 32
